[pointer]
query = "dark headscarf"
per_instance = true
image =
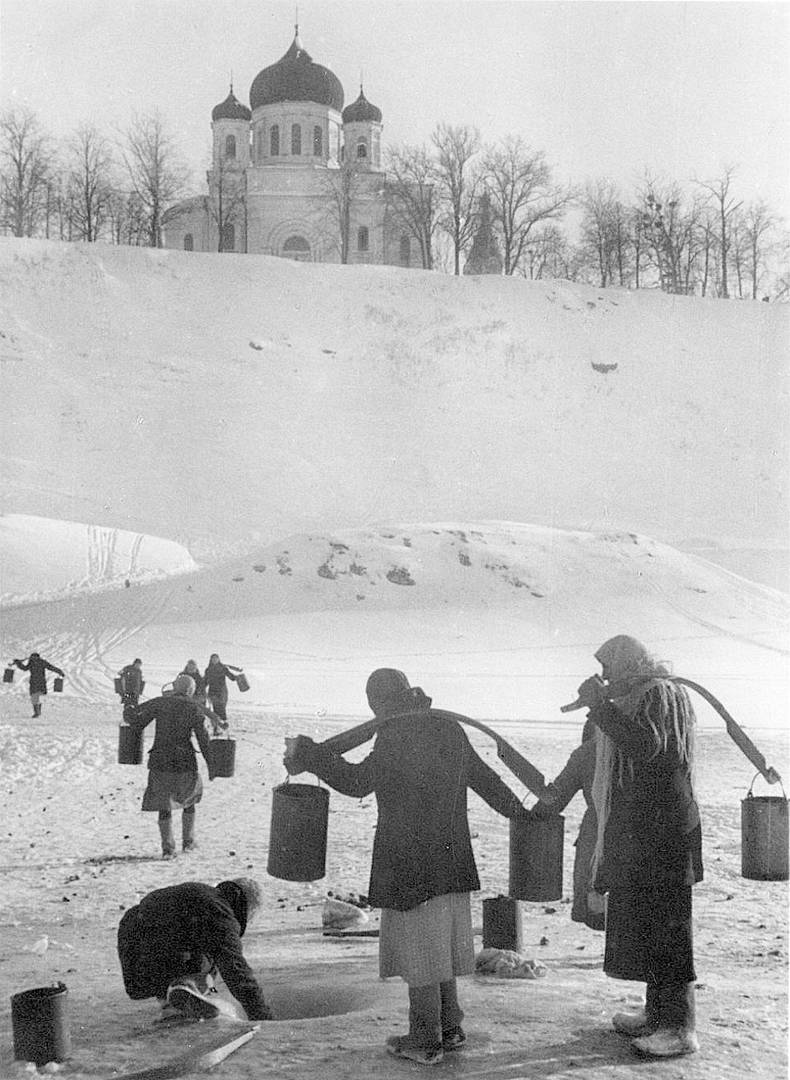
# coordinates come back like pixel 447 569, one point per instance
pixel 389 693
pixel 242 896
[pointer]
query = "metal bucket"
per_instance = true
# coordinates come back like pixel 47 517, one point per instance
pixel 40 1021
pixel 118 684
pixel 764 837
pixel 536 856
pixel 130 745
pixel 8 674
pixel 222 756
pixel 502 928
pixel 297 834
pixel 57 684
pixel 242 682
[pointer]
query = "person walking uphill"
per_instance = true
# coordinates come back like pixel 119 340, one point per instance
pixel 423 867
pixel 649 847
pixel 216 686
pixel 173 777
pixel 132 682
pixel 38 668
pixel 171 944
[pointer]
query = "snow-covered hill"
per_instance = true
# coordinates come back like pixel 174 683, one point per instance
pixel 495 618
pixel 261 416
pixel 208 399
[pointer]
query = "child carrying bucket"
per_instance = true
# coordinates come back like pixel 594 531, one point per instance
pixel 423 867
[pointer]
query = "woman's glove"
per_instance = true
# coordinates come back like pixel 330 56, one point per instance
pixel 298 755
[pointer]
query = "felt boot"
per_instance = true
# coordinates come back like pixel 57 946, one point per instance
pixel 676 1034
pixel 166 834
pixel 188 829
pixel 453 1035
pixel 423 1044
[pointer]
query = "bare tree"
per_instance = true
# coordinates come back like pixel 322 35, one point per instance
pixel 758 226
pixel 522 194
pixel 605 231
pixel 726 206
pixel 158 176
pixel 411 196
pixel 458 183
pixel 25 166
pixel 341 188
pixel 228 201
pixel 89 181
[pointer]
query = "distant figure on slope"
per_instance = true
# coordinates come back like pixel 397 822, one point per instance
pixel 648 852
pixel 173 942
pixel 193 671
pixel 217 687
pixel 423 868
pixel 577 775
pixel 38 669
pixel 173 778
pixel 132 682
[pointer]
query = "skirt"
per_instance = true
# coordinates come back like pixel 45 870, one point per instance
pixel 429 944
pixel 649 936
pixel 172 790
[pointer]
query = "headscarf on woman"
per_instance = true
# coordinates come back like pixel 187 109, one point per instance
pixel 633 673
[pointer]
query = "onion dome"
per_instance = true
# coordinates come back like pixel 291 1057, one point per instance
pixel 231 109
pixel 296 78
pixel 361 111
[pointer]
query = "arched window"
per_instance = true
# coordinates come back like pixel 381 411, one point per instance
pixel 228 236
pixel 362 149
pixel 230 146
pixel 296 139
pixel 363 238
pixel 296 247
pixel 189 242
pixel 318 142
pixel 405 250
pixel 274 140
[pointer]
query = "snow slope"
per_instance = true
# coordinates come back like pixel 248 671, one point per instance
pixel 497 619
pixel 212 399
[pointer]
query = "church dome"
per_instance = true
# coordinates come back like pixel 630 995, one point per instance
pixel 296 78
pixel 361 111
pixel 230 109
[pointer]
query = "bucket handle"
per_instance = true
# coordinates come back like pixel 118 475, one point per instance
pixel 288 779
pixel 758 773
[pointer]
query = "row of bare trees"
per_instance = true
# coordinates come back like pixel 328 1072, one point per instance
pixel 702 239
pixel 91 187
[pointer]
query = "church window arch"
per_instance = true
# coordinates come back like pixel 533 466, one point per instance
pixel 363 238
pixel 405 250
pixel 274 140
pixel 318 141
pixel 296 139
pixel 189 242
pixel 362 149
pixel 230 146
pixel 228 236
pixel 296 247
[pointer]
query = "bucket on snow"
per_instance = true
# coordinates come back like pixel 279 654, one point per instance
pixel 222 756
pixel 764 837
pixel 57 684
pixel 536 852
pixel 242 682
pixel 130 745
pixel 40 1021
pixel 8 674
pixel 502 928
pixel 297 834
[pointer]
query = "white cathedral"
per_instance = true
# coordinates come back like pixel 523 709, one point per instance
pixel 281 180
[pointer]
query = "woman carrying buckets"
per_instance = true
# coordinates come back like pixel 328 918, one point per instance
pixel 173 778
pixel 423 868
pixel 648 851
pixel 216 686
pixel 38 668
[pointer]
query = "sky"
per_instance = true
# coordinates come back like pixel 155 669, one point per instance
pixel 604 89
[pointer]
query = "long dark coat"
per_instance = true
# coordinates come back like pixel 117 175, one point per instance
pixel 420 768
pixel 172 931
pixel 38 669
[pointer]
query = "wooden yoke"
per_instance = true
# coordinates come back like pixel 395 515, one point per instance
pixel 523 770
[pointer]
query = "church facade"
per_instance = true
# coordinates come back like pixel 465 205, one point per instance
pixel 295 175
